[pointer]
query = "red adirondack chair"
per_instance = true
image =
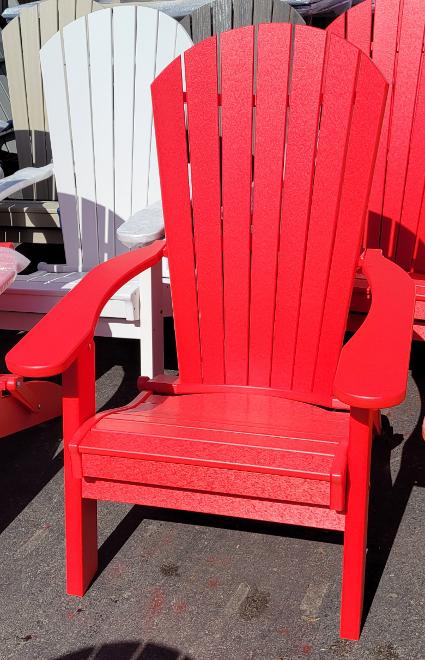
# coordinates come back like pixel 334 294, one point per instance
pixel 270 417
pixel 23 403
pixel 394 38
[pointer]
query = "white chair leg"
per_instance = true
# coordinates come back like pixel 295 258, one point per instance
pixel 151 322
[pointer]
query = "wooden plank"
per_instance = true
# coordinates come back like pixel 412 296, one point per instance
pixel 335 123
pixel 30 32
pixel 273 51
pixel 301 141
pixel 384 52
pixel 221 16
pixel 52 63
pixel 406 73
pixel 15 65
pixel 201 23
pixel 165 51
pixel 75 45
pixel 203 126
pixel 281 12
pixel 124 48
pixel 361 152
pixel 242 12
pixel 101 85
pixel 146 54
pixel 411 234
pixel 236 91
pixel 262 11
pixel 170 128
pixel 83 8
pixel 49 25
pixel 359 26
pixel 66 9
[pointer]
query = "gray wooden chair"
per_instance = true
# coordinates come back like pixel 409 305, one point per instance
pixel 220 15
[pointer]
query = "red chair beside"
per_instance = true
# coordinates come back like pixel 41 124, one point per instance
pixel 393 36
pixel 271 417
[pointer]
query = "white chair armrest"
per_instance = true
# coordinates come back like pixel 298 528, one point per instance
pixel 24 178
pixel 143 227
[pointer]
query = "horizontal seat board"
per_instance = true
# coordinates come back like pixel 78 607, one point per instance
pixel 45 283
pixel 207 479
pixel 176 431
pixel 265 415
pixel 226 505
pixel 240 457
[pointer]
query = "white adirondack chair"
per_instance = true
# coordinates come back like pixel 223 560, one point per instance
pixel 97 73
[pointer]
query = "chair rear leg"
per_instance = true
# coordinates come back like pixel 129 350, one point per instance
pixel 80 513
pixel 355 535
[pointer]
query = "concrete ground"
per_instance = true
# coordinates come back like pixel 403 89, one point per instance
pixel 176 586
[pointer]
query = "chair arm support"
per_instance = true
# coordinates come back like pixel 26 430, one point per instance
pixel 56 341
pixel 24 178
pixel 144 227
pixel 373 366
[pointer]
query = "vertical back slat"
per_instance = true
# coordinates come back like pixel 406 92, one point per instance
pixel 124 50
pixel 75 43
pixel 167 97
pixel 281 12
pixel 146 48
pixel 262 11
pixel 49 25
pixel 270 129
pixel 30 30
pixel 359 26
pixel 237 91
pixel 55 91
pixel 384 52
pixel 102 102
pixel 410 232
pixel 337 102
pixel 405 86
pixel 201 23
pixel 66 9
pixel 165 51
pixel 12 45
pixel 221 16
pixel 357 178
pixel 242 13
pixel 304 111
pixel 203 126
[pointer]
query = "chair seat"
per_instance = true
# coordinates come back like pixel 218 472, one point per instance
pixel 264 446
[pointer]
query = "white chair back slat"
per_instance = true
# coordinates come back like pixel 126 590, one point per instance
pixel 97 88
pixel 146 48
pixel 56 97
pixel 124 46
pixel 101 77
pixel 75 45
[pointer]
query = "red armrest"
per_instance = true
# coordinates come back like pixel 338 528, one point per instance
pixel 54 343
pixel 373 366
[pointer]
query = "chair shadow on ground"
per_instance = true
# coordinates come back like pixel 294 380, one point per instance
pixel 131 650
